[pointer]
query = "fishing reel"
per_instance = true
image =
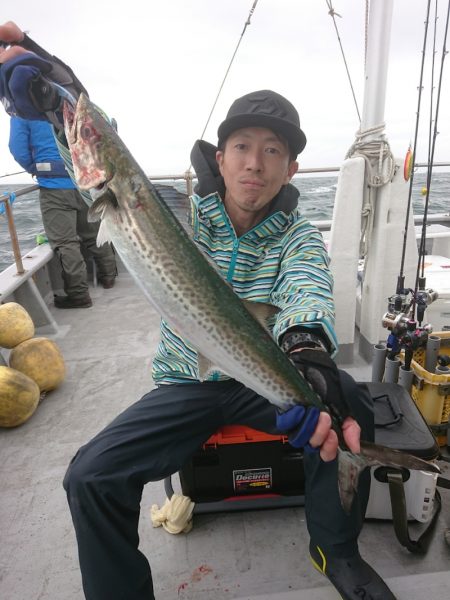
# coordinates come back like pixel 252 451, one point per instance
pixel 406 333
pixel 399 316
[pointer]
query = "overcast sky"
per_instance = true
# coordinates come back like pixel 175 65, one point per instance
pixel 156 66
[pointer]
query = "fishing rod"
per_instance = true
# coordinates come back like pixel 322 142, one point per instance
pixel 410 167
pixel 10 174
pixel 420 278
pixel 247 23
pixel 334 14
pixel 407 333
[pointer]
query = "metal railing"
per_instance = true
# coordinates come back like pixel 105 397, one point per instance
pixel 189 177
pixel 5 198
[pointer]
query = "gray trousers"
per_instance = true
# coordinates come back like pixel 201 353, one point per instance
pixel 71 236
pixel 154 438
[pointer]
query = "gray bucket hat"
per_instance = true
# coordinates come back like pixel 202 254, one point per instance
pixel 265 108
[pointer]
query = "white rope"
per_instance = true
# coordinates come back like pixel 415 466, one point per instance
pixel 380 170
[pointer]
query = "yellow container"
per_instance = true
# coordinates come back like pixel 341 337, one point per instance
pixel 431 392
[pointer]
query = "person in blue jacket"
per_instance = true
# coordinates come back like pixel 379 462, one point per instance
pixel 64 212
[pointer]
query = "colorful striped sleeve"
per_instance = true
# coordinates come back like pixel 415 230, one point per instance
pixel 304 286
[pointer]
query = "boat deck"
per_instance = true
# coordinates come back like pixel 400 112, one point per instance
pixel 257 555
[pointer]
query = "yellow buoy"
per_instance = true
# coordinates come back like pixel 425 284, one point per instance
pixel 19 397
pixel 16 325
pixel 424 191
pixel 40 359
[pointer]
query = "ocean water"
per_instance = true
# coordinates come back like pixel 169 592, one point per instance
pixel 316 200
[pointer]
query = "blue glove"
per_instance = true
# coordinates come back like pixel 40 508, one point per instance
pixel 299 422
pixel 12 197
pixel 16 78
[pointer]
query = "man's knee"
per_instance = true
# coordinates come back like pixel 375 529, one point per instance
pixel 79 474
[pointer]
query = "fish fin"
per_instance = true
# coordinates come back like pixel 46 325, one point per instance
pixel 103 236
pixel 205 367
pixel 375 454
pixel 177 201
pixel 261 311
pixel 102 200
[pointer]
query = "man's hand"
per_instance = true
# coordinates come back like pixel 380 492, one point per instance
pixel 321 372
pixel 326 438
pixel 299 422
pixel 10 33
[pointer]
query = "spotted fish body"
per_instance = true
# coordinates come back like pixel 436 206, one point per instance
pixel 174 274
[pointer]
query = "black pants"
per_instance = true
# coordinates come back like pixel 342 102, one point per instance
pixel 154 438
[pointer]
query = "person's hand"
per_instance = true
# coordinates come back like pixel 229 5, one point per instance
pixel 10 33
pixel 299 423
pixel 326 440
pixel 321 372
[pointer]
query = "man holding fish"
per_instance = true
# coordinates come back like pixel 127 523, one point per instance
pixel 217 370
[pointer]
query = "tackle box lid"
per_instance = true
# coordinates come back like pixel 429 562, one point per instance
pixel 241 434
pixel 399 423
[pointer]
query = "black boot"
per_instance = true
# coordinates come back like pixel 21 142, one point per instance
pixel 107 282
pixel 73 301
pixel 352 576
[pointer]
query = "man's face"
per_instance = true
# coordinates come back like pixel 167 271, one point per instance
pixel 254 164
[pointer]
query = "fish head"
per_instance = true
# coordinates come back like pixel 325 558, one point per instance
pixel 90 139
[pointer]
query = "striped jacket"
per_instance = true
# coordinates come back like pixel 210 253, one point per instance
pixel 282 261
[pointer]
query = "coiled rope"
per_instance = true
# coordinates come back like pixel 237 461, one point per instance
pixel 380 170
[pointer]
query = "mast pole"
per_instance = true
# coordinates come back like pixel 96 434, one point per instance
pixel 389 199
pixel 377 59
pixel 371 196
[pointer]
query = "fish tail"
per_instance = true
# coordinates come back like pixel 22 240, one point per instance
pixel 350 466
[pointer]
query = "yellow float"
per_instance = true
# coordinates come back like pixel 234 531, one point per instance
pixel 40 359
pixel 19 397
pixel 16 325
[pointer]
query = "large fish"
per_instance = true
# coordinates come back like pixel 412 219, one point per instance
pixel 187 290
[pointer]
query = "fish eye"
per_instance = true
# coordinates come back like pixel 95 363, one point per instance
pixel 85 132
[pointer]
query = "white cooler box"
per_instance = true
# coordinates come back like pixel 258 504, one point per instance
pixel 400 425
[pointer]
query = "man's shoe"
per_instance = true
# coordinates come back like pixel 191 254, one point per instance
pixel 73 301
pixel 352 577
pixel 107 282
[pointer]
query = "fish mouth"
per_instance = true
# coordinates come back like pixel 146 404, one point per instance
pixel 69 118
